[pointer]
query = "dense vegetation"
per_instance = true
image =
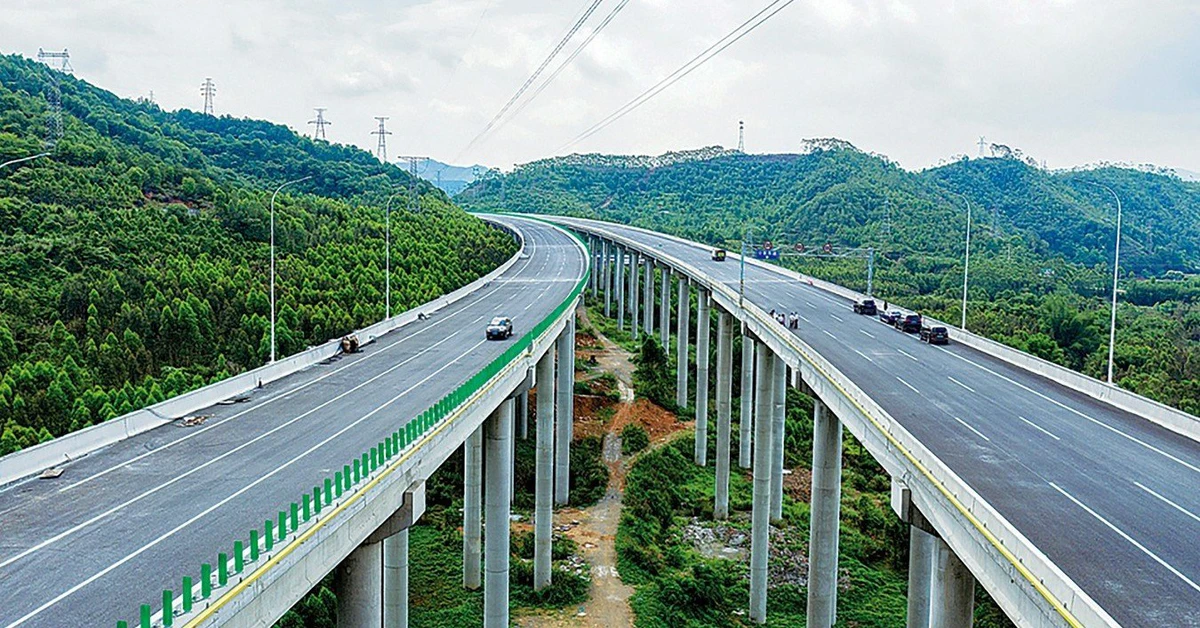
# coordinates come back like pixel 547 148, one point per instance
pixel 1040 272
pixel 134 260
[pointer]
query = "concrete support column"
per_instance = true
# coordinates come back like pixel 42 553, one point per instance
pixel 565 413
pixel 824 516
pixel 543 509
pixel 395 580
pixel 664 319
pixel 648 300
pixel 634 273
pixel 359 588
pixel 472 509
pixel 700 449
pixel 523 414
pixel 760 526
pixel 724 411
pixel 606 269
pixel 953 590
pixel 921 549
pixel 593 280
pixel 681 358
pixel 746 420
pixel 498 504
pixel 778 422
pixel 620 288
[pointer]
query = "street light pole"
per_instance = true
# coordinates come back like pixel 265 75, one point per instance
pixel 276 193
pixel 23 159
pixel 1112 326
pixel 966 266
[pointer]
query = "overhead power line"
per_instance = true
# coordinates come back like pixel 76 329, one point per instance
pixel 745 28
pixel 533 77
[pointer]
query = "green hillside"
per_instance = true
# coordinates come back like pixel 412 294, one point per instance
pixel 134 260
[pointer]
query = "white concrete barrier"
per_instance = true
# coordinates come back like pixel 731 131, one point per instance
pixel 61 450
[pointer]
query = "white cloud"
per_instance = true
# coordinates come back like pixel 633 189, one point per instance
pixel 1065 80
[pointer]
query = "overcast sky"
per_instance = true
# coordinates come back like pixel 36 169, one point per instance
pixel 1067 81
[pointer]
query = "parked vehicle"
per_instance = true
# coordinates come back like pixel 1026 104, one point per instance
pixel 889 317
pixel 935 335
pixel 718 255
pixel 909 323
pixel 866 307
pixel 500 328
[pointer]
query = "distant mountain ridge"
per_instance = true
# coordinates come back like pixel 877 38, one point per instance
pixel 450 179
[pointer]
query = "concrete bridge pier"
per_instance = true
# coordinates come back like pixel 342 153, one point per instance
pixel 472 509
pixel 565 423
pixel 498 503
pixel 648 298
pixel 825 514
pixel 620 288
pixel 922 548
pixel 664 314
pixel 606 271
pixel 523 414
pixel 700 449
pixel 681 359
pixel 359 591
pixel 635 271
pixel 724 401
pixel 746 419
pixel 953 589
pixel 543 510
pixel 778 423
pixel 760 526
pixel 372 582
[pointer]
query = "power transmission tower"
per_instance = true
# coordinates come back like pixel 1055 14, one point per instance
pixel 982 144
pixel 741 136
pixel 887 226
pixel 209 91
pixel 413 179
pixel 381 150
pixel 54 124
pixel 321 123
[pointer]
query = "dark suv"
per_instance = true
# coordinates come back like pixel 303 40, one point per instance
pixel 889 318
pixel 500 328
pixel 909 324
pixel 865 306
pixel 935 335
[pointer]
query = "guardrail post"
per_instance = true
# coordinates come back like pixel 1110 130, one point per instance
pixel 953 590
pixel 282 526
pixel 337 484
pixel 168 615
pixel 564 391
pixel 498 475
pixel 205 581
pixel 145 616
pixel 724 410
pixel 472 515
pixel 328 491
pixel 700 448
pixel 268 535
pixel 239 559
pixel 543 512
pixel 316 498
pixel 253 545
pixel 778 423
pixel 825 513
pixel 746 418
pixel 346 477
pixel 760 515
pixel 188 594
pixel 222 569
pixel 681 357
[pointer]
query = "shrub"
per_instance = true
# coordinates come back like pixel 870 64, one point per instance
pixel 633 439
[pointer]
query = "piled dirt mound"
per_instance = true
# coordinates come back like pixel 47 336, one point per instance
pixel 798 484
pixel 660 424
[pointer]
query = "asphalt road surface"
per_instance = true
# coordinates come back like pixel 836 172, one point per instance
pixel 124 523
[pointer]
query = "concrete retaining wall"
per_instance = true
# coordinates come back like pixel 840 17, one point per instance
pixel 68 447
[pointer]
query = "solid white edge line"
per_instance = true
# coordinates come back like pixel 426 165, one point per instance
pixel 1128 538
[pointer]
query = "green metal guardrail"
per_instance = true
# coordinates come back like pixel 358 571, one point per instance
pixel 245 554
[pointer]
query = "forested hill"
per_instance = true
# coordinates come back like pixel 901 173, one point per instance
pixel 838 194
pixel 133 260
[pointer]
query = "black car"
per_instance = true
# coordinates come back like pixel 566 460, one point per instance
pixel 889 317
pixel 909 324
pixel 500 328
pixel 718 255
pixel 866 306
pixel 935 335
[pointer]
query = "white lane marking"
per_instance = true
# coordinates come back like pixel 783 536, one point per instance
pixel 802 317
pixel 1039 428
pixel 1169 502
pixel 868 358
pixel 914 388
pixel 810 305
pixel 867 333
pixel 961 384
pixel 212 461
pixel 970 427
pixel 829 334
pixel 479 318
pixel 837 318
pixel 240 492
pixel 908 355
pixel 1077 412
pixel 1127 538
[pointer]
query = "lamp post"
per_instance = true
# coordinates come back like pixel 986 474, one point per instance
pixel 966 266
pixel 23 159
pixel 1112 326
pixel 276 193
